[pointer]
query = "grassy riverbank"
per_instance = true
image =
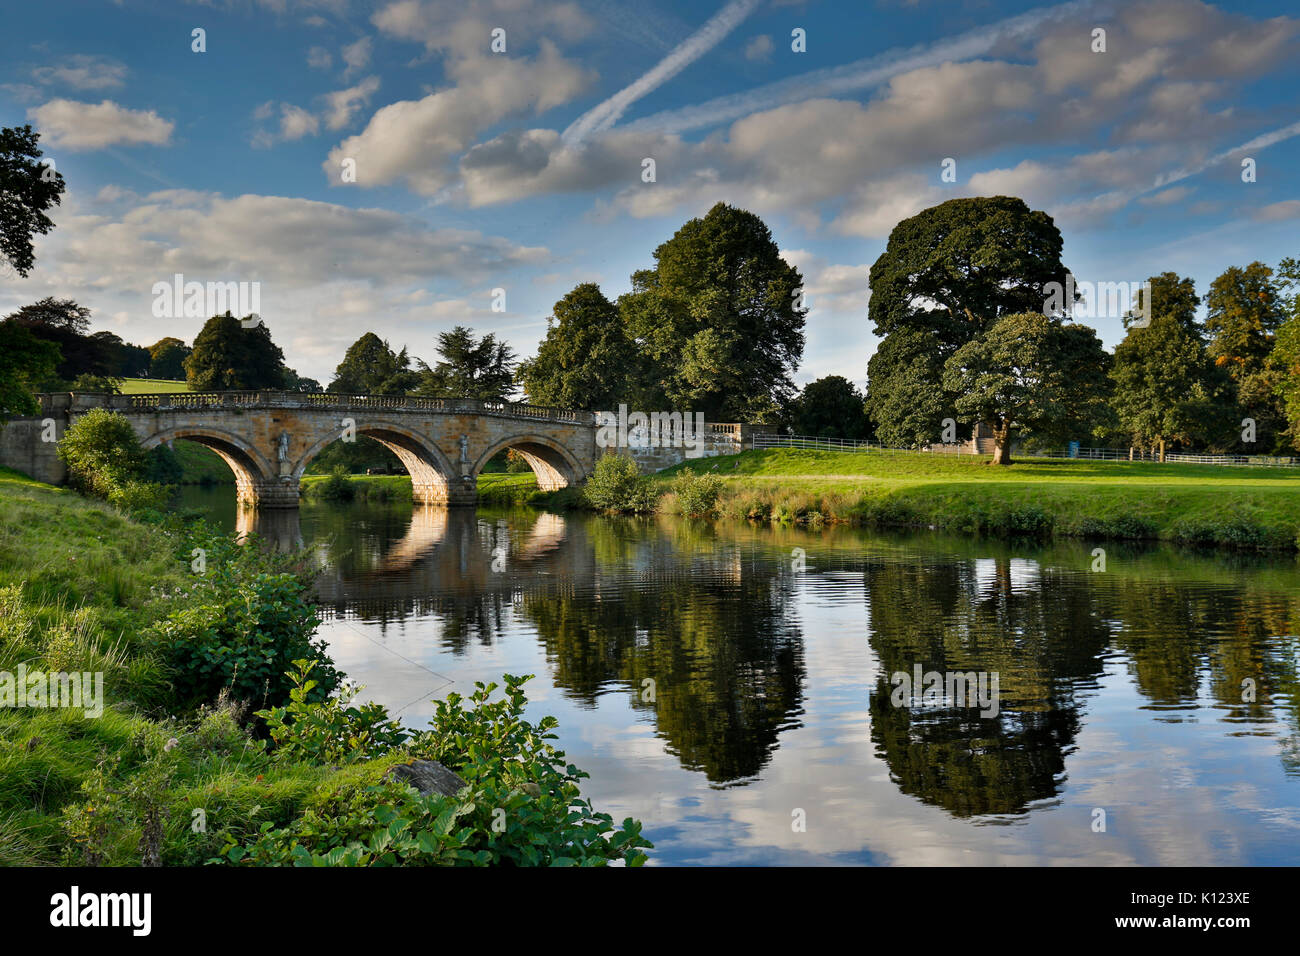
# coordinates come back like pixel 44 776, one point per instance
pixel 1197 504
pixel 172 768
pixel 1244 508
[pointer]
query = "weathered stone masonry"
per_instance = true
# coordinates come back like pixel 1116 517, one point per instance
pixel 268 438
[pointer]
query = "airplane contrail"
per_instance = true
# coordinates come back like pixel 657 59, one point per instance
pixel 606 114
pixel 1119 198
pixel 858 75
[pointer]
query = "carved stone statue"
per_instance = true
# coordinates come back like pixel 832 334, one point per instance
pixel 464 449
pixel 284 446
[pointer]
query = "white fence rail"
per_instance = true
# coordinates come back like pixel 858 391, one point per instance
pixel 765 440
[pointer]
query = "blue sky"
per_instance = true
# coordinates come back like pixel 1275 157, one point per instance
pixel 522 170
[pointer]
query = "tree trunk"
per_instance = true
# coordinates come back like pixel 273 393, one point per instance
pixel 1002 443
pixel 1162 451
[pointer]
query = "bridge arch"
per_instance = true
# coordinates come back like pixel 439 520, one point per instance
pixel 553 464
pixel 253 473
pixel 433 479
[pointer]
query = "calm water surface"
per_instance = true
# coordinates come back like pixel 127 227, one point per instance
pixel 1120 691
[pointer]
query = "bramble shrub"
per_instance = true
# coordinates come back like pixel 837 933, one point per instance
pixel 697 495
pixel 522 804
pixel 617 484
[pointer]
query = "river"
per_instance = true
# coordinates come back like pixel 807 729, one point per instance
pixel 739 688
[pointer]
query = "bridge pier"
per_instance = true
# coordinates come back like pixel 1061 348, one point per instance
pixel 452 493
pixel 266 492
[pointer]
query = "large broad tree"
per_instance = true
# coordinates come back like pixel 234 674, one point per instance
pixel 230 355
pixel 830 407
pixel 947 275
pixel 721 317
pixel 1030 375
pixel 371 367
pixel 26 363
pixel 123 359
pixel 28 188
pixel 167 358
pixel 587 359
pixel 66 324
pixel 470 368
pixel 1245 310
pixel 1167 387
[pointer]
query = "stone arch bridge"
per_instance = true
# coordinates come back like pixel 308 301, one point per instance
pixel 268 438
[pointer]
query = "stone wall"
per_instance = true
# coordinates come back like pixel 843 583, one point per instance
pixel 22 447
pixel 718 439
pixel 269 438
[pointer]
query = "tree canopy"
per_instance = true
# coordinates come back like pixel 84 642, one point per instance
pixel 370 367
pixel 1035 374
pixel 227 355
pixel 587 359
pixel 720 317
pixel 26 362
pixel 830 407
pixel 28 188
pixel 946 277
pixel 469 368
pixel 167 358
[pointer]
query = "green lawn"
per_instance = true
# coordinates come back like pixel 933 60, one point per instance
pixel 147 386
pixel 1249 507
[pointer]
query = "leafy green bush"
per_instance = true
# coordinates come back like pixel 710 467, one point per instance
pixel 338 486
pixel 102 453
pixel 248 617
pixel 135 496
pixel 617 484
pixel 1028 521
pixel 163 466
pixel 245 639
pixel 104 384
pixel 331 731
pixel 522 805
pixel 1231 532
pixel 1122 527
pixel 697 495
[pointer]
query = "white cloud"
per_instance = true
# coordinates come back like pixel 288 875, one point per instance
pixel 416 140
pixel 461 29
pixel 69 124
pixel 357 55
pixel 342 104
pixel 295 123
pixel 759 48
pixel 1278 211
pixel 390 270
pixel 319 58
pixel 83 72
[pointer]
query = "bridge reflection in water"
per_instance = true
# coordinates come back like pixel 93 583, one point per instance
pixel 686 661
